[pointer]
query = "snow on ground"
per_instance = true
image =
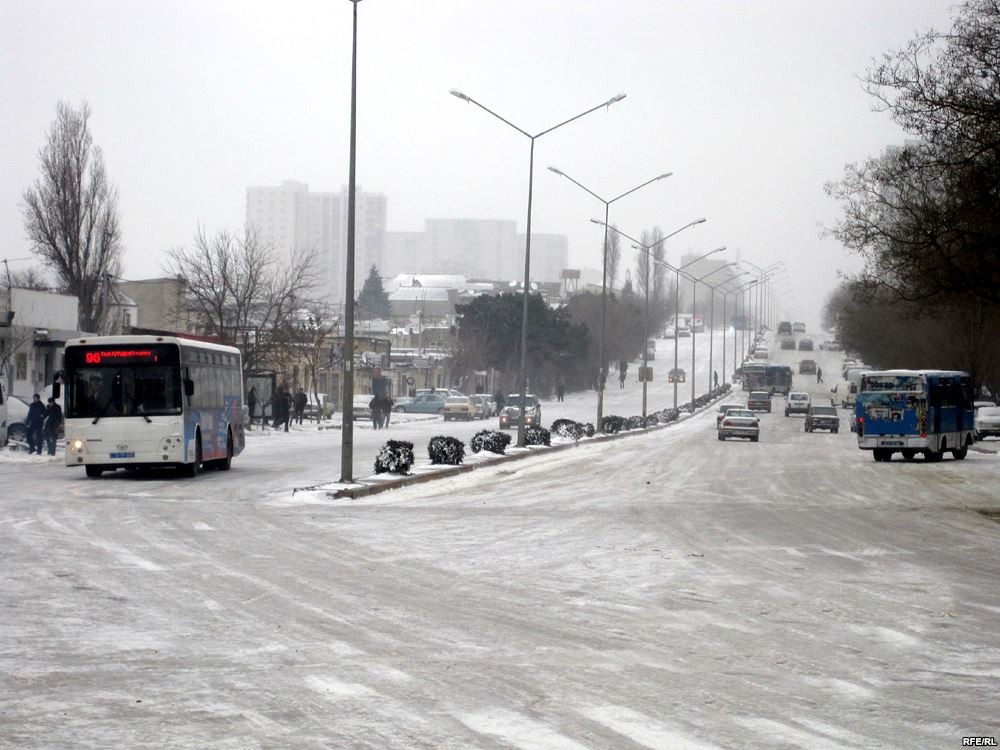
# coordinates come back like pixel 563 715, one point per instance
pixel 662 591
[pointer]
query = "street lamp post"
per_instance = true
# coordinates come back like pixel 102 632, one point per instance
pixel 647 249
pixel 694 308
pixel 604 279
pixel 347 401
pixel 711 322
pixel 527 241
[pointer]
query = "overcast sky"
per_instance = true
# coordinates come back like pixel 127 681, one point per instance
pixel 753 105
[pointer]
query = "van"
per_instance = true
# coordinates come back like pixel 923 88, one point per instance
pixel 844 394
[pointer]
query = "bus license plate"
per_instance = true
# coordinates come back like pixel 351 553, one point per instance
pixel 892 443
pixel 130 454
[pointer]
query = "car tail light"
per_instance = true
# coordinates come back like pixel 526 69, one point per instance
pixel 756 423
pixel 727 423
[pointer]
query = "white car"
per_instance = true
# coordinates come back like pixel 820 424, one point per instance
pixel 683 331
pixel 797 402
pixel 760 352
pixel 740 423
pixel 987 422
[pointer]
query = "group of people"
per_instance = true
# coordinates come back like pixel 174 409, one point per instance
pixel 381 403
pixel 43 423
pixel 286 407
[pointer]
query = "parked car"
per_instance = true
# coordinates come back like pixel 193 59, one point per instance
pixel 806 345
pixel 797 402
pixel 17 412
pixel 722 412
pixel 669 332
pixel 651 349
pixel 683 331
pixel 759 401
pixel 484 406
pixel 760 352
pixel 446 391
pixel 807 366
pixel 424 403
pixel 360 406
pixel 740 423
pixel 459 407
pixel 831 345
pixel 510 415
pixel 677 375
pixel 987 422
pixel 822 418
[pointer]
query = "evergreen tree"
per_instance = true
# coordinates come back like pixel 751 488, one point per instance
pixel 373 300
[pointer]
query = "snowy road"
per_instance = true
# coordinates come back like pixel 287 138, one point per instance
pixel 662 591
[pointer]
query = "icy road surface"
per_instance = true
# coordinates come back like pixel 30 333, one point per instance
pixel 661 591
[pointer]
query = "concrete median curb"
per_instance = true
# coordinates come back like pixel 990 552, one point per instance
pixel 378 483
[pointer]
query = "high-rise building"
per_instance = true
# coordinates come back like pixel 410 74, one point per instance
pixel 476 248
pixel 297 220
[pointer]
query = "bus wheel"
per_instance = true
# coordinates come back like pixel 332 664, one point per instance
pixel 191 470
pixel 908 453
pixel 225 464
pixel 960 453
pixel 881 454
pixel 94 471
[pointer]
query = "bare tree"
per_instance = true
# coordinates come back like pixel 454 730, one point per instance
pixel 71 215
pixel 614 256
pixel 30 278
pixel 237 283
pixel 303 339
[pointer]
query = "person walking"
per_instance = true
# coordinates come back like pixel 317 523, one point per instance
pixel 301 399
pixel 252 404
pixel 622 372
pixel 286 407
pixel 819 374
pixel 387 403
pixel 33 422
pixel 375 406
pixel 53 421
pixel 561 388
pixel 715 377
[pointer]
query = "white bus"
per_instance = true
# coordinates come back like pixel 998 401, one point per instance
pixel 145 401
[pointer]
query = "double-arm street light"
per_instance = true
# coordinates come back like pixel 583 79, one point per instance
pixel 648 249
pixel 725 296
pixel 711 325
pixel 604 278
pixel 527 241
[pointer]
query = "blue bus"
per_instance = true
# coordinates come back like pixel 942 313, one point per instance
pixel 915 411
pixel 148 401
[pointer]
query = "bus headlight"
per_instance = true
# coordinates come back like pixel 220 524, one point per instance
pixel 172 443
pixel 76 445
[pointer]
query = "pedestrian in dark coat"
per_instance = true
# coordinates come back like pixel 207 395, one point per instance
pixel 252 402
pixel 33 422
pixel 53 421
pixel 500 401
pixel 622 372
pixel 819 374
pixel 301 399
pixel 375 406
pixel 387 403
pixel 286 408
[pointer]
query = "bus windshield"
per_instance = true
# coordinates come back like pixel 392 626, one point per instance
pixel 117 382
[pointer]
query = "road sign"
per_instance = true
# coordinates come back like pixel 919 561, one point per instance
pixel 645 374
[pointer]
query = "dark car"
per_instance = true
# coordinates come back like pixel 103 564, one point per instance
pixel 787 342
pixel 807 366
pixel 806 345
pixel 822 418
pixel 510 415
pixel 759 401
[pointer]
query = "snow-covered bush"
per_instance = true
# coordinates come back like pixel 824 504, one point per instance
pixel 567 428
pixel 489 440
pixel 612 424
pixel 652 421
pixel 588 429
pixel 537 435
pixel 635 423
pixel 395 457
pixel 446 450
